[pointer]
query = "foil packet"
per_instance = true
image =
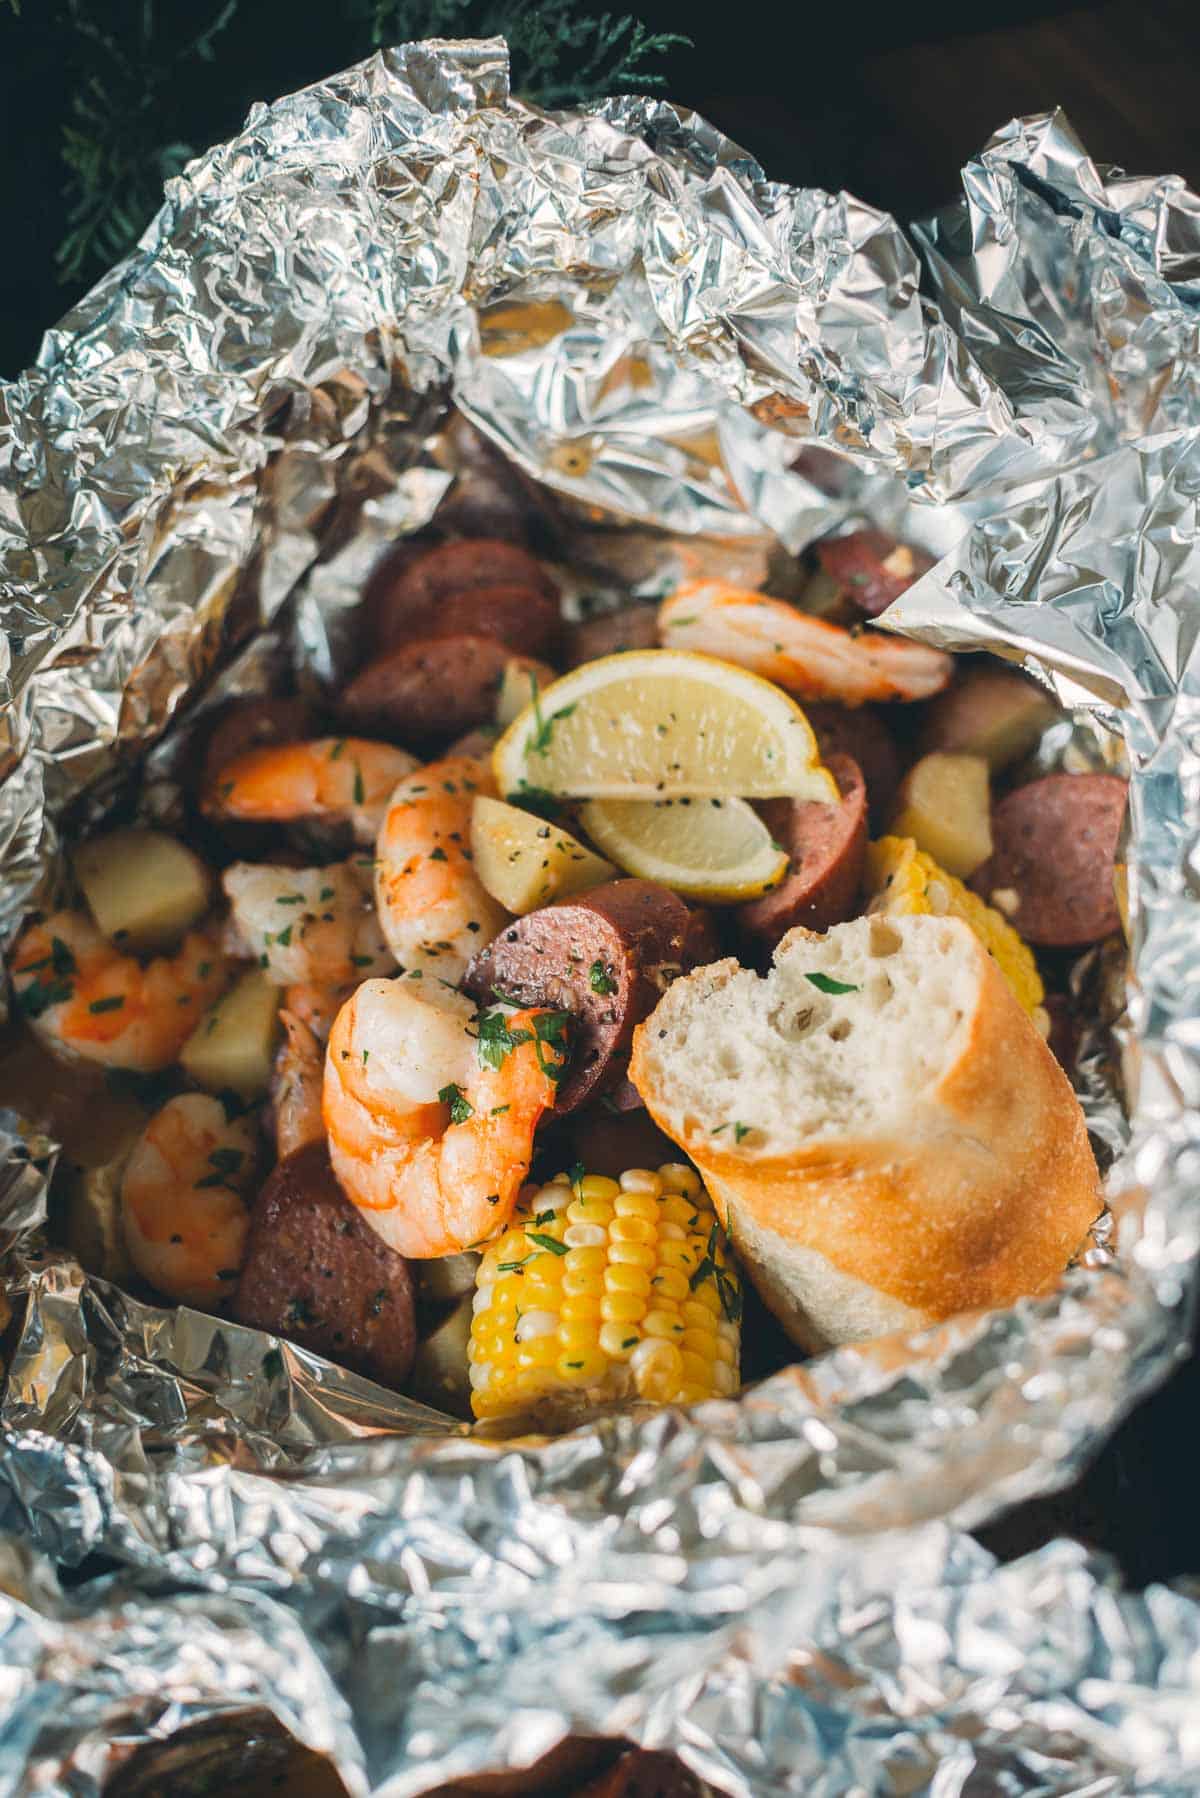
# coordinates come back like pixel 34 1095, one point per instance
pixel 197 476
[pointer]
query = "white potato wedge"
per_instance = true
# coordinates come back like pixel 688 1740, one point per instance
pixel 440 1373
pixel 444 1279
pixel 143 888
pixel 524 861
pixel 517 687
pixel 945 807
pixel 92 1217
pixel 233 1045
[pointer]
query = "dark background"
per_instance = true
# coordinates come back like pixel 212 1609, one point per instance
pixel 888 105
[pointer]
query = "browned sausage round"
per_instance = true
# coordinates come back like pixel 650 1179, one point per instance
pixel 517 615
pixel 434 687
pixel 605 957
pixel 317 1274
pixel 608 1142
pixel 861 733
pixel 827 845
pixel 872 568
pixel 404 591
pixel 1054 847
pixel 609 634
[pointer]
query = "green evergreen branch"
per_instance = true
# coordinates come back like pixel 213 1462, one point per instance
pixel 132 65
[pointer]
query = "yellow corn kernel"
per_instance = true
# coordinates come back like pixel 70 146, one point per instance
pixel 699 1311
pixel 622 1308
pixel 578 1305
pixel 589 1211
pixel 632 1254
pixel 696 1369
pixel 582 1367
pixel 677 1176
pixel 541 1352
pixel 693 1393
pixel 597 1186
pixel 637 1204
pixel 509 1290
pixel 724 1351
pixel 641 1179
pixel 671 1283
pixel 627 1279
pixel 663 1323
pixel 619 1340
pixel 632 1229
pixel 725 1379
pixel 699 1342
pixel 576 1333
pixel 676 1254
pixel 676 1209
pixel 584 1260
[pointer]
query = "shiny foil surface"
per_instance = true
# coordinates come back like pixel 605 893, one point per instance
pixel 197 476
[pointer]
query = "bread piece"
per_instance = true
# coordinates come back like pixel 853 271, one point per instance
pixel 884 1132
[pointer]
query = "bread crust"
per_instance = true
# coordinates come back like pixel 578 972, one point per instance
pixel 981 1196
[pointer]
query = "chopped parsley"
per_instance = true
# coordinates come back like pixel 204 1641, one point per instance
pixel 599 981
pixel 825 983
pixel 546 1242
pixel 41 994
pixel 461 1107
pixel 740 1130
pixel 538 800
pixel 223 1162
pixel 437 855
pixel 539 743
pixel 114 1003
pixel 360 791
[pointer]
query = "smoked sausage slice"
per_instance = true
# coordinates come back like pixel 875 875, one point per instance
pixel 431 688
pixel 1054 849
pixel 404 591
pixel 605 957
pixel 611 633
pixel 317 1274
pixel 517 615
pixel 872 568
pixel 860 732
pixel 827 845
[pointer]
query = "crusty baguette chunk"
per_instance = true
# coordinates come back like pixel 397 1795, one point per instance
pixel 880 1122
pixel 945 807
pixel 233 1045
pixel 144 889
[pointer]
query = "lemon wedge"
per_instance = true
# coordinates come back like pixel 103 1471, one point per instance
pixel 662 724
pixel 714 849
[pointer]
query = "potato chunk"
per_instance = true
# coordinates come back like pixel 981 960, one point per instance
pixel 143 888
pixel 517 687
pixel 945 806
pixel 440 1373
pixel 233 1045
pixel 444 1279
pixel 992 712
pixel 524 862
pixel 92 1223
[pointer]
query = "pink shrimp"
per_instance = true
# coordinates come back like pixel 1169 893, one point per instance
pixel 432 908
pixel 87 1000
pixel 430 1123
pixel 307 1015
pixel 327 779
pixel 183 1199
pixel 805 655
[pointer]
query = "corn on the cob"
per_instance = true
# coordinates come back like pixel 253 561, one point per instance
pixel 603 1289
pixel 902 879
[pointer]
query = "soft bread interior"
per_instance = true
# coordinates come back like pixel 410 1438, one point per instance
pixel 777 1062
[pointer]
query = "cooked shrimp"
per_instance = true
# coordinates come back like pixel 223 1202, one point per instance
pixel 434 912
pixel 809 657
pixel 429 1139
pixel 183 1205
pixel 328 779
pixel 296 1086
pixel 87 1000
pixel 313 926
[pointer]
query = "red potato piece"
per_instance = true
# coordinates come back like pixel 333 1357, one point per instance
pixel 317 1274
pixel 405 590
pixel 862 734
pixel 611 633
pixel 872 568
pixel 514 614
pixel 604 957
pixel 990 711
pixel 1054 847
pixel 827 845
pixel 433 688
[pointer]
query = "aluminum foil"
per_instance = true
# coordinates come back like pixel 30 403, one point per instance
pixel 196 477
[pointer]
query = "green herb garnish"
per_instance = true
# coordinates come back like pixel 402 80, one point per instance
pixel 461 1107
pixel 825 983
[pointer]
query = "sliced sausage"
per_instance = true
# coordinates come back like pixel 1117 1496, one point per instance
pixel 862 734
pixel 434 687
pixel 611 633
pixel 703 943
pixel 317 1274
pixel 826 845
pixel 405 590
pixel 1054 849
pixel 871 568
pixel 644 1773
pixel 515 614
pixel 605 957
pixel 609 1142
